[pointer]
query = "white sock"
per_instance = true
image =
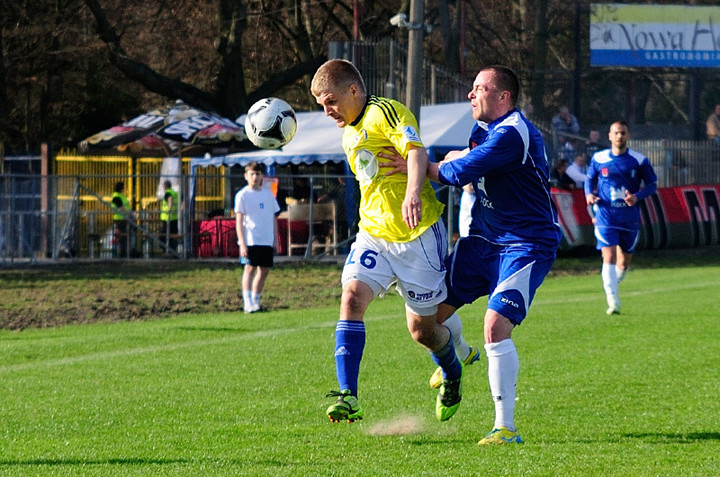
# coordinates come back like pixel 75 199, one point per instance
pixel 256 300
pixel 503 368
pixel 454 324
pixel 248 303
pixel 620 273
pixel 610 284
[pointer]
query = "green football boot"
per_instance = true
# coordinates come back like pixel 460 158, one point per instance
pixel 347 408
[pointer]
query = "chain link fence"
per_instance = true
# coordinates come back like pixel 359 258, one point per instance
pixel 69 216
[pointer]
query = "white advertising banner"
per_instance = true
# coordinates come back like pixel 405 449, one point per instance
pixel 654 35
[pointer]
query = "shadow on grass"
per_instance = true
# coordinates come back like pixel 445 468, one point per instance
pixel 676 437
pixel 219 329
pixel 84 462
pixel 130 269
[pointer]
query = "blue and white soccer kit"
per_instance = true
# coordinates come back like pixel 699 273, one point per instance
pixel 514 233
pixel 610 177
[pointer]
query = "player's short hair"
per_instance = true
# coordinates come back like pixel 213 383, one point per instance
pixel 119 186
pixel 336 74
pixel 255 166
pixel 621 122
pixel 506 80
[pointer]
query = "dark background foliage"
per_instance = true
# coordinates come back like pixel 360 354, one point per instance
pixel 70 68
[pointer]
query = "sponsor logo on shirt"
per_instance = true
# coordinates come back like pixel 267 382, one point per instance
pixel 411 134
pixel 366 165
pixel 360 137
pixel 617 194
pixel 480 186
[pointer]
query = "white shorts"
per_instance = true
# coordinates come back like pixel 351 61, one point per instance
pixel 418 267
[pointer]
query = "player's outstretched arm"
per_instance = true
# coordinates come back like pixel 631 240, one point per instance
pixel 417 163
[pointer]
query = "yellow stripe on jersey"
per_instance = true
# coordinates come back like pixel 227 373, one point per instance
pixel 386 123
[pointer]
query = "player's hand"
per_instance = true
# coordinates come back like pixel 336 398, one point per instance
pixel 412 210
pixel 630 199
pixel 452 155
pixel 591 199
pixel 395 160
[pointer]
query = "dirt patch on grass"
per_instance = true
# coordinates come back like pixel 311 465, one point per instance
pixel 58 294
pixel 54 294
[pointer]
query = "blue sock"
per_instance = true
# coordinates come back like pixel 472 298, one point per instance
pixel 349 346
pixel 447 360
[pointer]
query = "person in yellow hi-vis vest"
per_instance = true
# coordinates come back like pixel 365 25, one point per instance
pixel 169 216
pixel 122 211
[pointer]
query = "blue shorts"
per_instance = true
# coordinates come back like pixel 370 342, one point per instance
pixel 510 275
pixel 612 236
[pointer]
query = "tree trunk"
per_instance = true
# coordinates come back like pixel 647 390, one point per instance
pixel 540 47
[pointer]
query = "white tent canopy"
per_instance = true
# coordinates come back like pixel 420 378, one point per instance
pixel 443 127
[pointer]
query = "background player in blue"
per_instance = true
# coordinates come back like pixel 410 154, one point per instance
pixel 617 179
pixel 514 232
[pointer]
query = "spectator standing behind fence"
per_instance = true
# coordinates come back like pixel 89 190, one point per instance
pixel 712 126
pixel 563 125
pixel 617 179
pixel 122 212
pixel 568 150
pixel 169 216
pixel 592 145
pixel 565 122
pixel 559 177
pixel 256 227
pixel 577 170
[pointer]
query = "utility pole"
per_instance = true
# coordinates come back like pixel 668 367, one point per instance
pixel 415 57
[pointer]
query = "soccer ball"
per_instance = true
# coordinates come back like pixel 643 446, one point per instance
pixel 270 123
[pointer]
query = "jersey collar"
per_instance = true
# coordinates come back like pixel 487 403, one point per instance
pixel 362 112
pixel 501 119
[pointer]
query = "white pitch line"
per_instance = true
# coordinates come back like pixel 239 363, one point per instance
pixel 120 353
pixel 8 368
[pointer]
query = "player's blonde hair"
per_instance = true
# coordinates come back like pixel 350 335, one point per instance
pixel 334 74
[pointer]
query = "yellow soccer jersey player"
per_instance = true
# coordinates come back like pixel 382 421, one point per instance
pixel 386 123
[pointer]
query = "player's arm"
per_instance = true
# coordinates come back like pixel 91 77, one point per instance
pixel 240 230
pixel 649 181
pixel 590 181
pixel 417 163
pixel 275 233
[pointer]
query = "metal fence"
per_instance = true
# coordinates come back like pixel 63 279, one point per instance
pixel 681 162
pixel 383 64
pixel 70 216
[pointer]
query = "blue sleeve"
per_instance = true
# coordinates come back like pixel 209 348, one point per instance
pixel 590 179
pixel 504 149
pixel 649 178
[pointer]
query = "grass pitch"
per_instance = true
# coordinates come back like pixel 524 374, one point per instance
pixel 233 394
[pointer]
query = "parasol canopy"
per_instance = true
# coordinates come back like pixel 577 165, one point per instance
pixel 171 130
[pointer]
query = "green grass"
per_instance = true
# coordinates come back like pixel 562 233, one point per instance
pixel 230 394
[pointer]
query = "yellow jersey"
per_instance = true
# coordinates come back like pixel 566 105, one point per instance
pixel 386 123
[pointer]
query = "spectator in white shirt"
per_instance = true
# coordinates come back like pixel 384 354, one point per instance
pixel 577 170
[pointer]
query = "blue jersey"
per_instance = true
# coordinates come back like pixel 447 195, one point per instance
pixel 612 176
pixel 508 168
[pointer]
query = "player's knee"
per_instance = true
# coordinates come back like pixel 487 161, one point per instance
pixel 355 297
pixel 497 327
pixel 423 335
